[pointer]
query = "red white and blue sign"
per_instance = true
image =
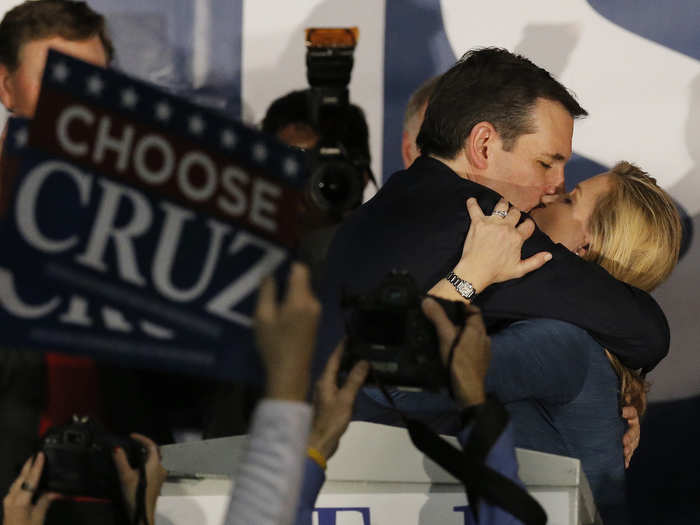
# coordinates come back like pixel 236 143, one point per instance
pixel 140 225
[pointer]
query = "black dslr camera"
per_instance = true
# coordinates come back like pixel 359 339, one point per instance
pixel 387 327
pixel 337 168
pixel 79 460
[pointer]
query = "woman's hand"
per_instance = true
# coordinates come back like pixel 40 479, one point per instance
pixel 129 477
pixel 18 506
pixel 492 250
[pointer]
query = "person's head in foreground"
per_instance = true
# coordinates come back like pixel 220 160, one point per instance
pixel 623 221
pixel 29 30
pixel 499 120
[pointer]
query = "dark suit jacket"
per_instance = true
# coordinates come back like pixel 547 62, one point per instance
pixel 418 222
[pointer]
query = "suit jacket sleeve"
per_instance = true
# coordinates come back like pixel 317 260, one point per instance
pixel 625 320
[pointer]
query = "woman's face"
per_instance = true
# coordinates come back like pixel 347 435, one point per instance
pixel 564 217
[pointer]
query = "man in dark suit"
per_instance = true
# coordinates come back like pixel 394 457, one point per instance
pixel 496 124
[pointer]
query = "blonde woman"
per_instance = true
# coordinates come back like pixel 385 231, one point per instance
pixel 563 390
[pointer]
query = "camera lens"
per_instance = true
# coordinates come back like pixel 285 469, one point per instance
pixel 75 438
pixel 334 184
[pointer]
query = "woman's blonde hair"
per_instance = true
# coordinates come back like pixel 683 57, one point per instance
pixel 635 229
pixel 635 234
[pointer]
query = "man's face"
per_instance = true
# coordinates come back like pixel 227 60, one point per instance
pixel 535 164
pixel 19 89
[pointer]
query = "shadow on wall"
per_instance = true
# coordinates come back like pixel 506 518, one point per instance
pixel 549 45
pixel 415 49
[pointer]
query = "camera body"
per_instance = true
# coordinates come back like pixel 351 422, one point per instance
pixel 337 169
pixel 387 327
pixel 79 459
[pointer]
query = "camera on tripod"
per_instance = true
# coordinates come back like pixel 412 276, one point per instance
pixel 338 169
pixel 387 328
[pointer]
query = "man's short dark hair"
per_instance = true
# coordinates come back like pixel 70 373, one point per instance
pixel 38 19
pixel 488 85
pixel 350 128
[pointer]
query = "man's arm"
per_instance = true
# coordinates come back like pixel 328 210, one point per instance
pixel 467 371
pixel 623 319
pixel 539 359
pixel 501 458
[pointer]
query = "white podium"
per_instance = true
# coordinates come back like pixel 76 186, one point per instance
pixel 377 477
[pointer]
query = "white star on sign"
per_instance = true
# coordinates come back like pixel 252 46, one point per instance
pixel 260 152
pixel 60 72
pixel 129 98
pixel 228 138
pixel 290 167
pixel 196 124
pixel 163 111
pixel 21 137
pixel 95 85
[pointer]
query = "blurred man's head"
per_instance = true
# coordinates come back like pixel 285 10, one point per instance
pixel 499 120
pixel 26 34
pixel 413 119
pixel 289 119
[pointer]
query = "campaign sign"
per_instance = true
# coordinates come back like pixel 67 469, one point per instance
pixel 38 314
pixel 129 197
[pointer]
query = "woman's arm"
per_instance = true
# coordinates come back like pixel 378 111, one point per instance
pixel 492 250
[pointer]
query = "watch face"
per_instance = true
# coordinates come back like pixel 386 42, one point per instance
pixel 465 289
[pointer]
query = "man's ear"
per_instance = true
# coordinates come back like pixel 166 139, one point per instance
pixel 480 143
pixel 406 149
pixel 7 92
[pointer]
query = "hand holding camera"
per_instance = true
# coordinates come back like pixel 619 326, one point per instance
pixel 129 477
pixel 18 506
pixel 470 356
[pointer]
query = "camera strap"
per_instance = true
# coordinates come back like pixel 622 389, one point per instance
pixel 468 465
pixel 140 511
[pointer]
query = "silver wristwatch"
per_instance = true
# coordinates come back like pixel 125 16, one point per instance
pixel 464 288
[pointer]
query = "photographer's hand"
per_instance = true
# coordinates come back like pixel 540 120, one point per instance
pixel 492 250
pixel 471 354
pixel 17 505
pixel 333 405
pixel 129 477
pixel 286 334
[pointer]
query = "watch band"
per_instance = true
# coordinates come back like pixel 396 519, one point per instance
pixel 464 288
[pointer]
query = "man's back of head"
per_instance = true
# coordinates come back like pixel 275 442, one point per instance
pixel 492 85
pixel 413 120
